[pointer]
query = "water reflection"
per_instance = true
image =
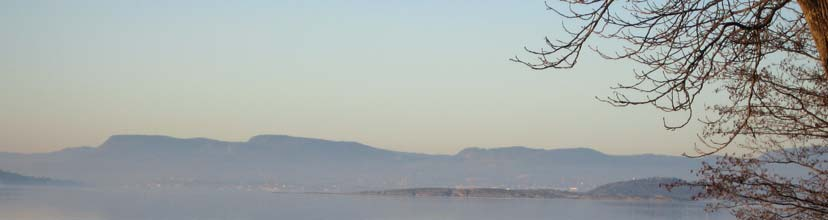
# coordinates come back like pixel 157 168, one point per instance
pixel 93 204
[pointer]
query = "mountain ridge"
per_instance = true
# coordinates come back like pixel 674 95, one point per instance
pixel 252 139
pixel 301 164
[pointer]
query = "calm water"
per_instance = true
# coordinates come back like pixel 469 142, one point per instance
pixel 83 204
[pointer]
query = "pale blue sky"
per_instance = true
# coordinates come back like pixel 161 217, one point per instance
pixel 422 76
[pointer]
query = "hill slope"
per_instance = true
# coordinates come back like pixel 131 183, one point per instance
pixel 14 179
pixel 654 187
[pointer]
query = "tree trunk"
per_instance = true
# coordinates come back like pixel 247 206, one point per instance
pixel 816 14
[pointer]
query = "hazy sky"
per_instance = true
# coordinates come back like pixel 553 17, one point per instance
pixel 424 76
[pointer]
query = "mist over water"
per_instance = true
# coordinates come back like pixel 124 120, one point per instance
pixel 109 204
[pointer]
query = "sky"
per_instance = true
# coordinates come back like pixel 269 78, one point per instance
pixel 428 76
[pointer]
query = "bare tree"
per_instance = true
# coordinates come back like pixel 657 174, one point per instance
pixel 770 57
pixel 816 13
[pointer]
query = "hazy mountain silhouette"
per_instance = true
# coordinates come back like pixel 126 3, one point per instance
pixel 307 164
pixel 15 179
pixel 638 189
pixel 654 187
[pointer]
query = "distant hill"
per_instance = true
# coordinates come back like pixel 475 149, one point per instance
pixel 14 179
pixel 646 188
pixel 287 163
pixel 640 189
pixel 476 193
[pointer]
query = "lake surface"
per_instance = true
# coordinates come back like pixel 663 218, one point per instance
pixel 95 204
